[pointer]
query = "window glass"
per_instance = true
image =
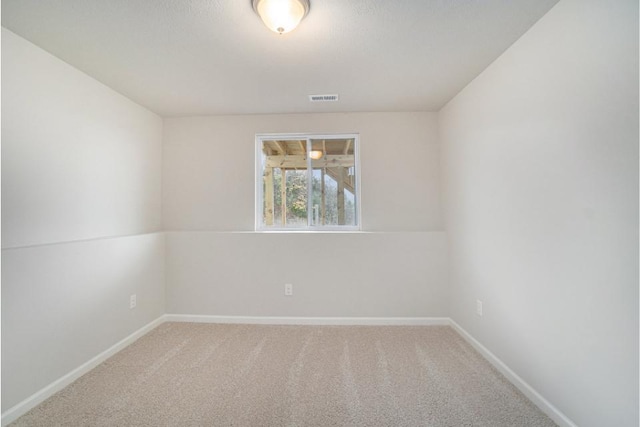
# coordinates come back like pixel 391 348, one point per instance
pixel 307 182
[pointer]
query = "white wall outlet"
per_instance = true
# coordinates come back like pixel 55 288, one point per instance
pixel 288 289
pixel 479 307
pixel 133 301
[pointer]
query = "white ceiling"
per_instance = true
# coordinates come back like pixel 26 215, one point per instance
pixel 200 57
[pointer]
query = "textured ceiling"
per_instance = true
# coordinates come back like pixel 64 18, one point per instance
pixel 197 57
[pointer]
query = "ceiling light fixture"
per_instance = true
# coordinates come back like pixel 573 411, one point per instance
pixel 281 16
pixel 316 154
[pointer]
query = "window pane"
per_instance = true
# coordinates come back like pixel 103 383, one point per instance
pixel 294 196
pixel 285 183
pixel 334 182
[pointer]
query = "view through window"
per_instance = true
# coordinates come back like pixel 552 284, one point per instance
pixel 307 182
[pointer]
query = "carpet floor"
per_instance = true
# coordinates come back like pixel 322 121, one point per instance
pixel 188 374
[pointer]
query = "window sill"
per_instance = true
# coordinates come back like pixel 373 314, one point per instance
pixel 311 230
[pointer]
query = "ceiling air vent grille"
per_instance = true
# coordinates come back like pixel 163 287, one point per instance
pixel 323 98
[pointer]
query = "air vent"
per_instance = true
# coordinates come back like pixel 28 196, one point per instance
pixel 323 98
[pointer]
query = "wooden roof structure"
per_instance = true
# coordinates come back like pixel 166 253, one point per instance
pixel 291 154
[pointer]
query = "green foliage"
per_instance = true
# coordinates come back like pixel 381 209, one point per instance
pixel 297 193
pixel 296 198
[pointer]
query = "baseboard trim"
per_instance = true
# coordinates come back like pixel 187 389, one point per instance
pixel 347 321
pixel 545 406
pixel 35 399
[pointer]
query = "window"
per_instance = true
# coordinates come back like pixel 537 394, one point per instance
pixel 307 182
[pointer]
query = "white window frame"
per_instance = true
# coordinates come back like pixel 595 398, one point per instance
pixel 259 196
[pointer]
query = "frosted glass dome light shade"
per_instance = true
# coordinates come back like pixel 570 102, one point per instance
pixel 316 154
pixel 281 16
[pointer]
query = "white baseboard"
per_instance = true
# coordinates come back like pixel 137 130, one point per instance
pixel 269 320
pixel 545 406
pixel 32 401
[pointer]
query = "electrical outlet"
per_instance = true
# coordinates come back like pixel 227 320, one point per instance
pixel 132 301
pixel 479 307
pixel 288 289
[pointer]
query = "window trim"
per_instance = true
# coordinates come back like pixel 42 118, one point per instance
pixel 259 196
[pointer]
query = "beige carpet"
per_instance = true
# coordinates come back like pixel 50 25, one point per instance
pixel 186 374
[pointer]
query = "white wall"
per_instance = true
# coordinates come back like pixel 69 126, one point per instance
pixel 209 172
pixel 208 196
pixel 334 274
pixel 81 161
pixel 540 162
pixel 63 304
pixel 80 166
